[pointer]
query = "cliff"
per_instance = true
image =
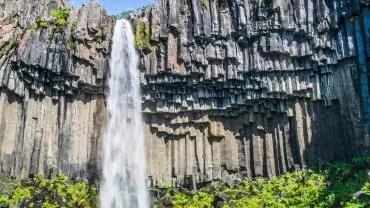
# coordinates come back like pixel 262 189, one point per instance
pixel 231 88
pixel 53 64
pixel 237 88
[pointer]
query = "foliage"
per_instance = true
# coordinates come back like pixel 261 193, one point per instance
pixel 60 17
pixel 8 47
pixel 49 193
pixel 142 37
pixel 328 186
pixel 40 24
pixel 71 45
pixel 205 4
pixel 5 46
pixel 362 160
pixel 58 22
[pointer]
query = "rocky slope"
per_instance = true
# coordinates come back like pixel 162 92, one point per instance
pixel 52 74
pixel 247 88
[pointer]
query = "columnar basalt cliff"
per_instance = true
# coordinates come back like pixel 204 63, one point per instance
pixel 231 88
pixel 52 72
pixel 252 88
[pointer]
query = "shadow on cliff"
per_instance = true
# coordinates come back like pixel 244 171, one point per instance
pixel 267 143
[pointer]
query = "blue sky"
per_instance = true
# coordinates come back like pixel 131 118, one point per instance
pixel 116 6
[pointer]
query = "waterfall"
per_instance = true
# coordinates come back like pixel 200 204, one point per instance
pixel 124 152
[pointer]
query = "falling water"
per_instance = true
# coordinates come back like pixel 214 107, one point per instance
pixel 124 156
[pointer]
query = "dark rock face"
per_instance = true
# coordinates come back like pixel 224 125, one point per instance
pixel 231 88
pixel 237 88
pixel 52 110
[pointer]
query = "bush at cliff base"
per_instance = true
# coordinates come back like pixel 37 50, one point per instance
pixel 40 192
pixel 330 185
pixel 333 185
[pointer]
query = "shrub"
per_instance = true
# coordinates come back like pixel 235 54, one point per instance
pixel 40 192
pixel 59 20
pixel 40 24
pixel 142 37
pixel 331 186
pixel 60 17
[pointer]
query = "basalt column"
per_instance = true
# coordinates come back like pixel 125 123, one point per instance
pixel 237 88
pixel 52 83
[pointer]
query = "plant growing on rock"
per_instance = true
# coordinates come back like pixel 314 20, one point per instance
pixel 40 24
pixel 60 17
pixel 142 36
pixel 59 21
pixel 205 4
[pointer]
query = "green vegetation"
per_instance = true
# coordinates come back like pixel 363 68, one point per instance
pixel 55 193
pixel 7 47
pixel 15 18
pixel 60 17
pixel 142 36
pixel 40 24
pixel 71 45
pixel 205 4
pixel 330 186
pixel 59 21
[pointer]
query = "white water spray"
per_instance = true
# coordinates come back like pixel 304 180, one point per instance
pixel 124 152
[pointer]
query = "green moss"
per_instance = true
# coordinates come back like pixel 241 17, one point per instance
pixel 205 4
pixel 10 48
pixel 71 45
pixel 7 47
pixel 142 36
pixel 4 46
pixel 40 24
pixel 74 26
pixel 15 18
